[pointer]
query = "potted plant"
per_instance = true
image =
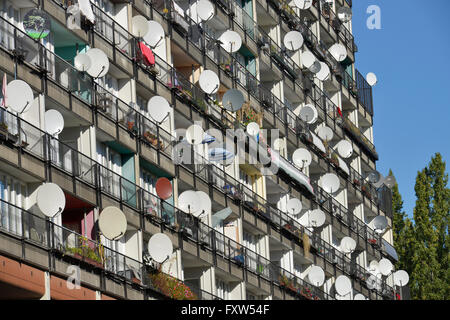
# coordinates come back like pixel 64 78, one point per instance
pixel 92 255
pixel 170 286
pixel 153 140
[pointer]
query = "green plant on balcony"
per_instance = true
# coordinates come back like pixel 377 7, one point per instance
pixel 247 114
pixel 202 106
pixel 226 66
pixel 170 286
pixel 153 140
pixel 286 283
pixel 88 252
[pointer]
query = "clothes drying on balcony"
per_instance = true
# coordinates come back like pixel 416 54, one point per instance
pixel 147 54
pixel 86 10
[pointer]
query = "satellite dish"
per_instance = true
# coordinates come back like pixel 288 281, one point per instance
pixel 372 282
pixel 82 62
pixel 20 96
pixel 194 134
pixel 329 182
pixel 37 24
pixel 344 14
pixel 294 206
pixel 54 122
pixel 316 67
pixel 189 202
pixel 158 108
pixel 359 296
pixel 374 176
pixel 385 266
pixel 338 51
pixel 233 100
pixel 205 10
pixel 380 223
pixel 343 285
pixel 308 59
pixel 163 188
pixel 220 154
pixel 50 199
pixel 308 113
pixel 209 82
pixel 303 4
pixel 139 26
pixel 401 278
pixel 348 245
pixel 374 267
pixel 345 149
pixel 389 181
pixel 205 203
pixel 99 63
pixel 279 144
pixel 316 276
pixel 293 40
pixel 155 36
pixel 325 133
pixel 371 79
pixel 324 72
pixel 317 218
pixel 253 129
pixel 112 223
pixel 230 41
pixel 302 158
pixel 160 247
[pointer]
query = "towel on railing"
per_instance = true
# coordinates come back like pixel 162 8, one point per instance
pixel 306 244
pixel 147 54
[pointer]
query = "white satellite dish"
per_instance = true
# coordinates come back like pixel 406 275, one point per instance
pixel 155 36
pixel 209 82
pixel 230 41
pixel 303 4
pixel 343 285
pixel 329 182
pixel 317 218
pixel 99 63
pixel 385 266
pixel 348 244
pixel 54 122
pixel 50 199
pixel 401 278
pixel 158 108
pixel 302 158
pixel 324 72
pixel 344 14
pixel 308 113
pixel 20 96
pixel 374 267
pixel 338 51
pixel 372 282
pixel 194 134
pixel 160 247
pixel 389 181
pixel 279 144
pixel 205 203
pixel 316 276
pixel 308 59
pixel 189 202
pixel 359 296
pixel 371 79
pixel 233 100
pixel 293 40
pixel 112 223
pixel 293 206
pixel 345 149
pixel 253 129
pixel 205 10
pixel 325 133
pixel 82 62
pixel 139 25
pixel 380 223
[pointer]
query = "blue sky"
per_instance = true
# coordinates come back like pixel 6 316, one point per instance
pixel 410 55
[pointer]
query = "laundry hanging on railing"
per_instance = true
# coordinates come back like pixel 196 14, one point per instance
pixel 147 54
pixel 86 10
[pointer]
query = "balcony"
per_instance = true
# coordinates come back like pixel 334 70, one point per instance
pixel 359 137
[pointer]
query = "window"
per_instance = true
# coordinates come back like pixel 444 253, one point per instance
pixel 11 192
pixel 222 289
pixel 112 160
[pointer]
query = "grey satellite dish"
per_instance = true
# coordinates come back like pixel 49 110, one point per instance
pixel 233 100
pixel 385 266
pixel 209 82
pixel 50 199
pixel 374 176
pixel 54 122
pixel 230 41
pixel 316 67
pixel 82 62
pixel 189 202
pixel 155 36
pixel 112 223
pixel 345 149
pixel 308 113
pixel 317 218
pixel 329 182
pixel 158 108
pixel 316 276
pixel 324 72
pixel 140 26
pixel 293 206
pixel 338 51
pixel 344 14
pixel 343 285
pixel 205 10
pixel 380 224
pixel 348 244
pixel 160 247
pixel 205 203
pixel 401 278
pixel 293 40
pixel 325 133
pixel 302 158
pixel 20 96
pixel 390 182
pixel 252 129
pixel 99 63
pixel 371 79
pixel 359 296
pixel 194 134
pixel 303 4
